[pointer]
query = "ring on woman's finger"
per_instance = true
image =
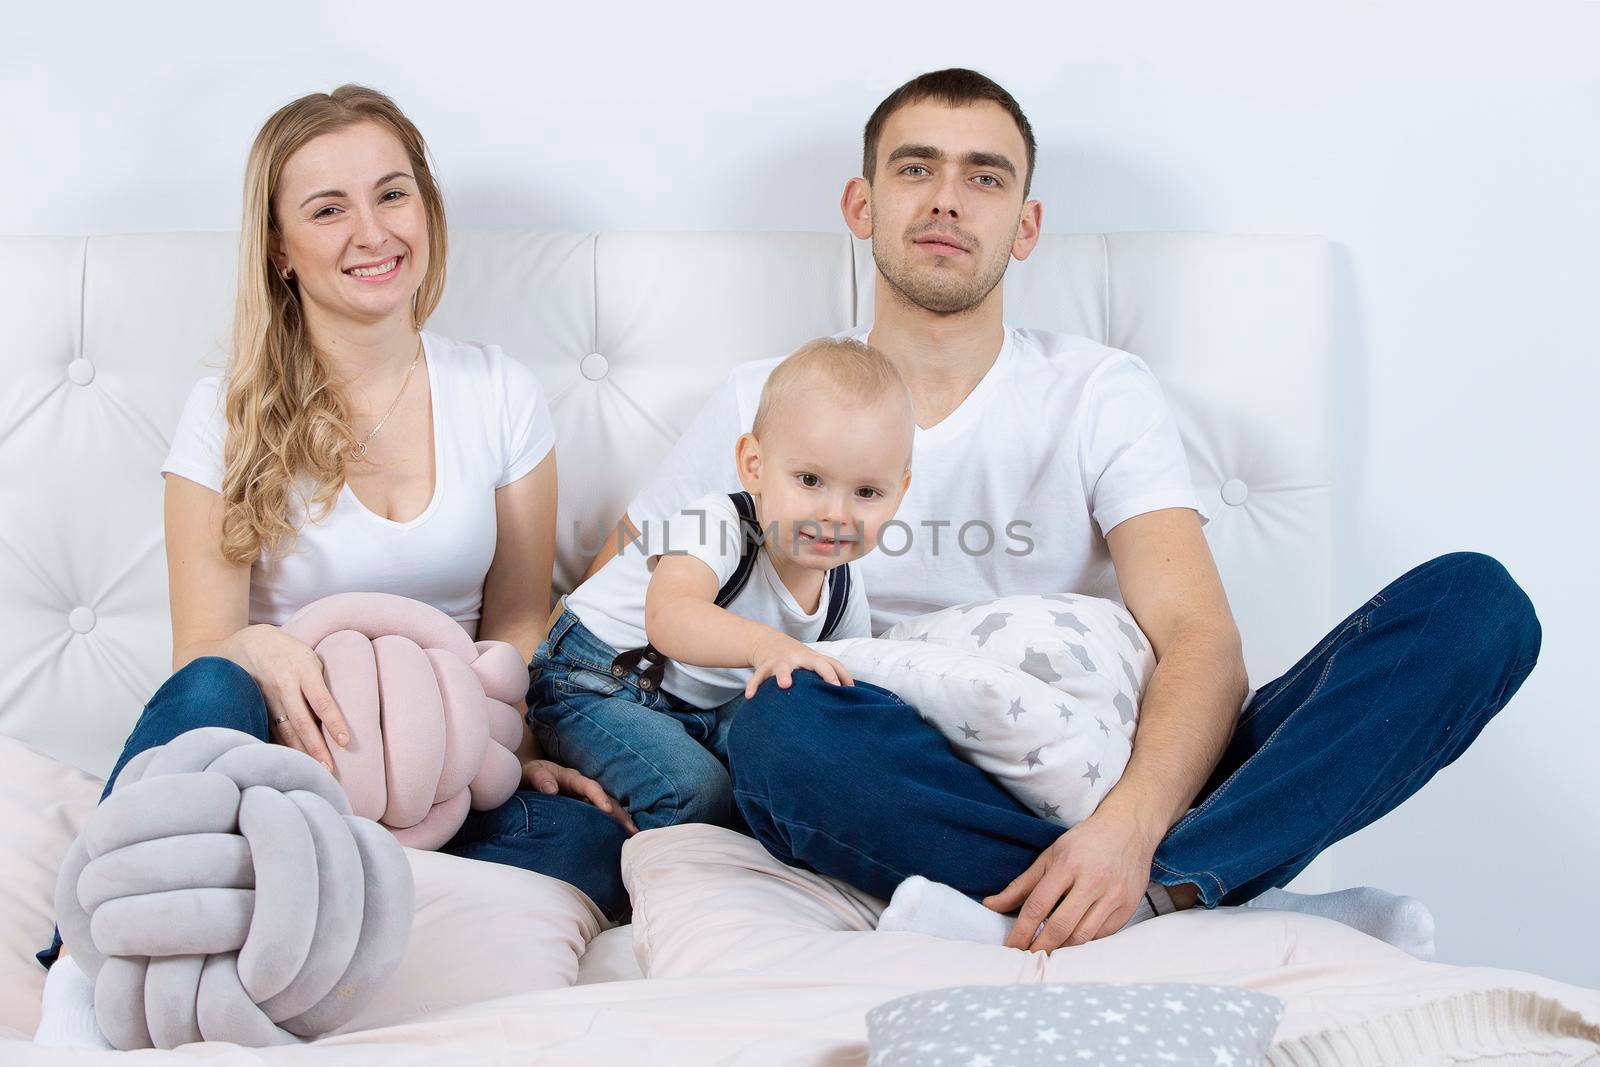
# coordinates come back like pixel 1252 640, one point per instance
pixel 280 722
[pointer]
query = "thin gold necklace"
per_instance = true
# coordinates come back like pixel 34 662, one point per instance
pixel 359 453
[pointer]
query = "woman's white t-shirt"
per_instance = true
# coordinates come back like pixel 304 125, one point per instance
pixel 1061 440
pixel 491 426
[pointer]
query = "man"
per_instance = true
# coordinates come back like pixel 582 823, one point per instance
pixel 1228 793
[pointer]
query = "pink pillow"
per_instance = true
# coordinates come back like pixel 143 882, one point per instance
pixel 432 726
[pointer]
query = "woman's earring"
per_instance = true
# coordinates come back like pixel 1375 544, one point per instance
pixel 286 273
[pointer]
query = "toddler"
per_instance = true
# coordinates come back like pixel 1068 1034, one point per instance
pixel 637 681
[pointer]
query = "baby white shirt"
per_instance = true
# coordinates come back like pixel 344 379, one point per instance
pixel 611 603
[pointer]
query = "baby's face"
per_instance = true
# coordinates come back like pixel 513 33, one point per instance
pixel 829 475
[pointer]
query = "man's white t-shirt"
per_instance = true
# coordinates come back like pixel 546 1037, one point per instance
pixel 491 426
pixel 611 603
pixel 1061 440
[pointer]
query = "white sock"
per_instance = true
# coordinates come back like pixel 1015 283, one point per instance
pixel 1404 922
pixel 933 908
pixel 66 1016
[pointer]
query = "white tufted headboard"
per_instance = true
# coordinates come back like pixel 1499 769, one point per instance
pixel 629 332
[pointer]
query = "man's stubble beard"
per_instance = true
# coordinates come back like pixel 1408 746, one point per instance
pixel 942 292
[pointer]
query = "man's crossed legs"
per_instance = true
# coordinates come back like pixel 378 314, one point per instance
pixel 851 783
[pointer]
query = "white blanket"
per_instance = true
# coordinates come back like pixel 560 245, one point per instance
pixel 751 962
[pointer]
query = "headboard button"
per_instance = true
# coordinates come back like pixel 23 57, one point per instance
pixel 594 366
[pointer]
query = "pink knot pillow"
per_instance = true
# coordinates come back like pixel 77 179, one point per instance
pixel 433 730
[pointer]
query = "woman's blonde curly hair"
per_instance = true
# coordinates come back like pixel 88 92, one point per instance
pixel 285 421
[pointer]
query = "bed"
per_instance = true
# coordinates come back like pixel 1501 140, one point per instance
pixel 731 958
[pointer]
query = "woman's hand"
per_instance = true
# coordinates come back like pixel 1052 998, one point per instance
pixel 299 706
pixel 551 778
pixel 779 656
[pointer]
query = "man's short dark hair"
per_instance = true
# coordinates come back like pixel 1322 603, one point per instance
pixel 956 87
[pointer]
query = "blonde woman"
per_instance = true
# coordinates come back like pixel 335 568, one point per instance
pixel 349 449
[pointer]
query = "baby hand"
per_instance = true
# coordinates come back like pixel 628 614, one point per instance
pixel 780 655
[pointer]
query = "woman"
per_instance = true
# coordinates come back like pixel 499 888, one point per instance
pixel 348 449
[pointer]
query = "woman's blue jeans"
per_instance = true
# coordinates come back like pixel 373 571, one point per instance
pixel 553 835
pixel 851 783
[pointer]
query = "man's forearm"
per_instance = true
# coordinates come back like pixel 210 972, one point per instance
pixel 1186 718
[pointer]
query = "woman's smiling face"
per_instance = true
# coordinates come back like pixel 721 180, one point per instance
pixel 352 225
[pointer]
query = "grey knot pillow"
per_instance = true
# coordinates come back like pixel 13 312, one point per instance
pixel 1095 1023
pixel 224 892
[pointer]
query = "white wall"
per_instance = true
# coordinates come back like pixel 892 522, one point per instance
pixel 1451 152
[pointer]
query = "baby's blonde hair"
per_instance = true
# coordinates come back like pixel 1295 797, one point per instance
pixel 852 372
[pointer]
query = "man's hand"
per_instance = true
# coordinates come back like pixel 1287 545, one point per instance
pixel 1101 866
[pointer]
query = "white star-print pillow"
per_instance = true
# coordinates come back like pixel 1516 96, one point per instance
pixel 1039 692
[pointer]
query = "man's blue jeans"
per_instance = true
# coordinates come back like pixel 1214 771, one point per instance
pixel 851 783
pixel 553 835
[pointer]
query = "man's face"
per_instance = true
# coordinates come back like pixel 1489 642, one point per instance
pixel 946 202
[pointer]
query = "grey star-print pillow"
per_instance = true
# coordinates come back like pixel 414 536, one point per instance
pixel 1056 753
pixel 1039 692
pixel 1098 1024
pixel 1085 646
